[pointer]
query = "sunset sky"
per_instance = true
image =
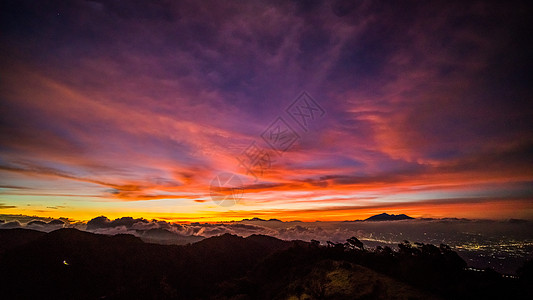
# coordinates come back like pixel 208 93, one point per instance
pixel 132 108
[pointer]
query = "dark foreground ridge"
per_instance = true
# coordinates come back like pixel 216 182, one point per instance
pixel 72 264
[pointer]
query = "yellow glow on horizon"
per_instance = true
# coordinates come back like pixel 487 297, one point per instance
pixel 490 210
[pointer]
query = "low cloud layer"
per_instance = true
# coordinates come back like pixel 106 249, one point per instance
pixel 35 224
pixel 451 231
pixel 474 239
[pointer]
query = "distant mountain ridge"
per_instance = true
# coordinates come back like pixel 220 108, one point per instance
pixel 387 217
pixel 261 220
pixel 380 217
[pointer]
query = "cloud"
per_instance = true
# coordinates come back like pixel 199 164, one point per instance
pixel 9 225
pixel 166 232
pixel 45 226
pixel 104 222
pixel 4 206
pixel 149 101
pixel 456 231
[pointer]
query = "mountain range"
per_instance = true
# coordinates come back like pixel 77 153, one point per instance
pixel 387 217
pixel 73 264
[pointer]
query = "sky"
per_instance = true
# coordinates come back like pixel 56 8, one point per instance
pixel 294 110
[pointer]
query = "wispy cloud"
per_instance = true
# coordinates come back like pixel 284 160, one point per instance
pixel 148 103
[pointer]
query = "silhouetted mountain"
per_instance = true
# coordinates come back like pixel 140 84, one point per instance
pixel 261 220
pixel 12 238
pixel 73 264
pixel 254 219
pixel 321 279
pixel 387 217
pixel 70 263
